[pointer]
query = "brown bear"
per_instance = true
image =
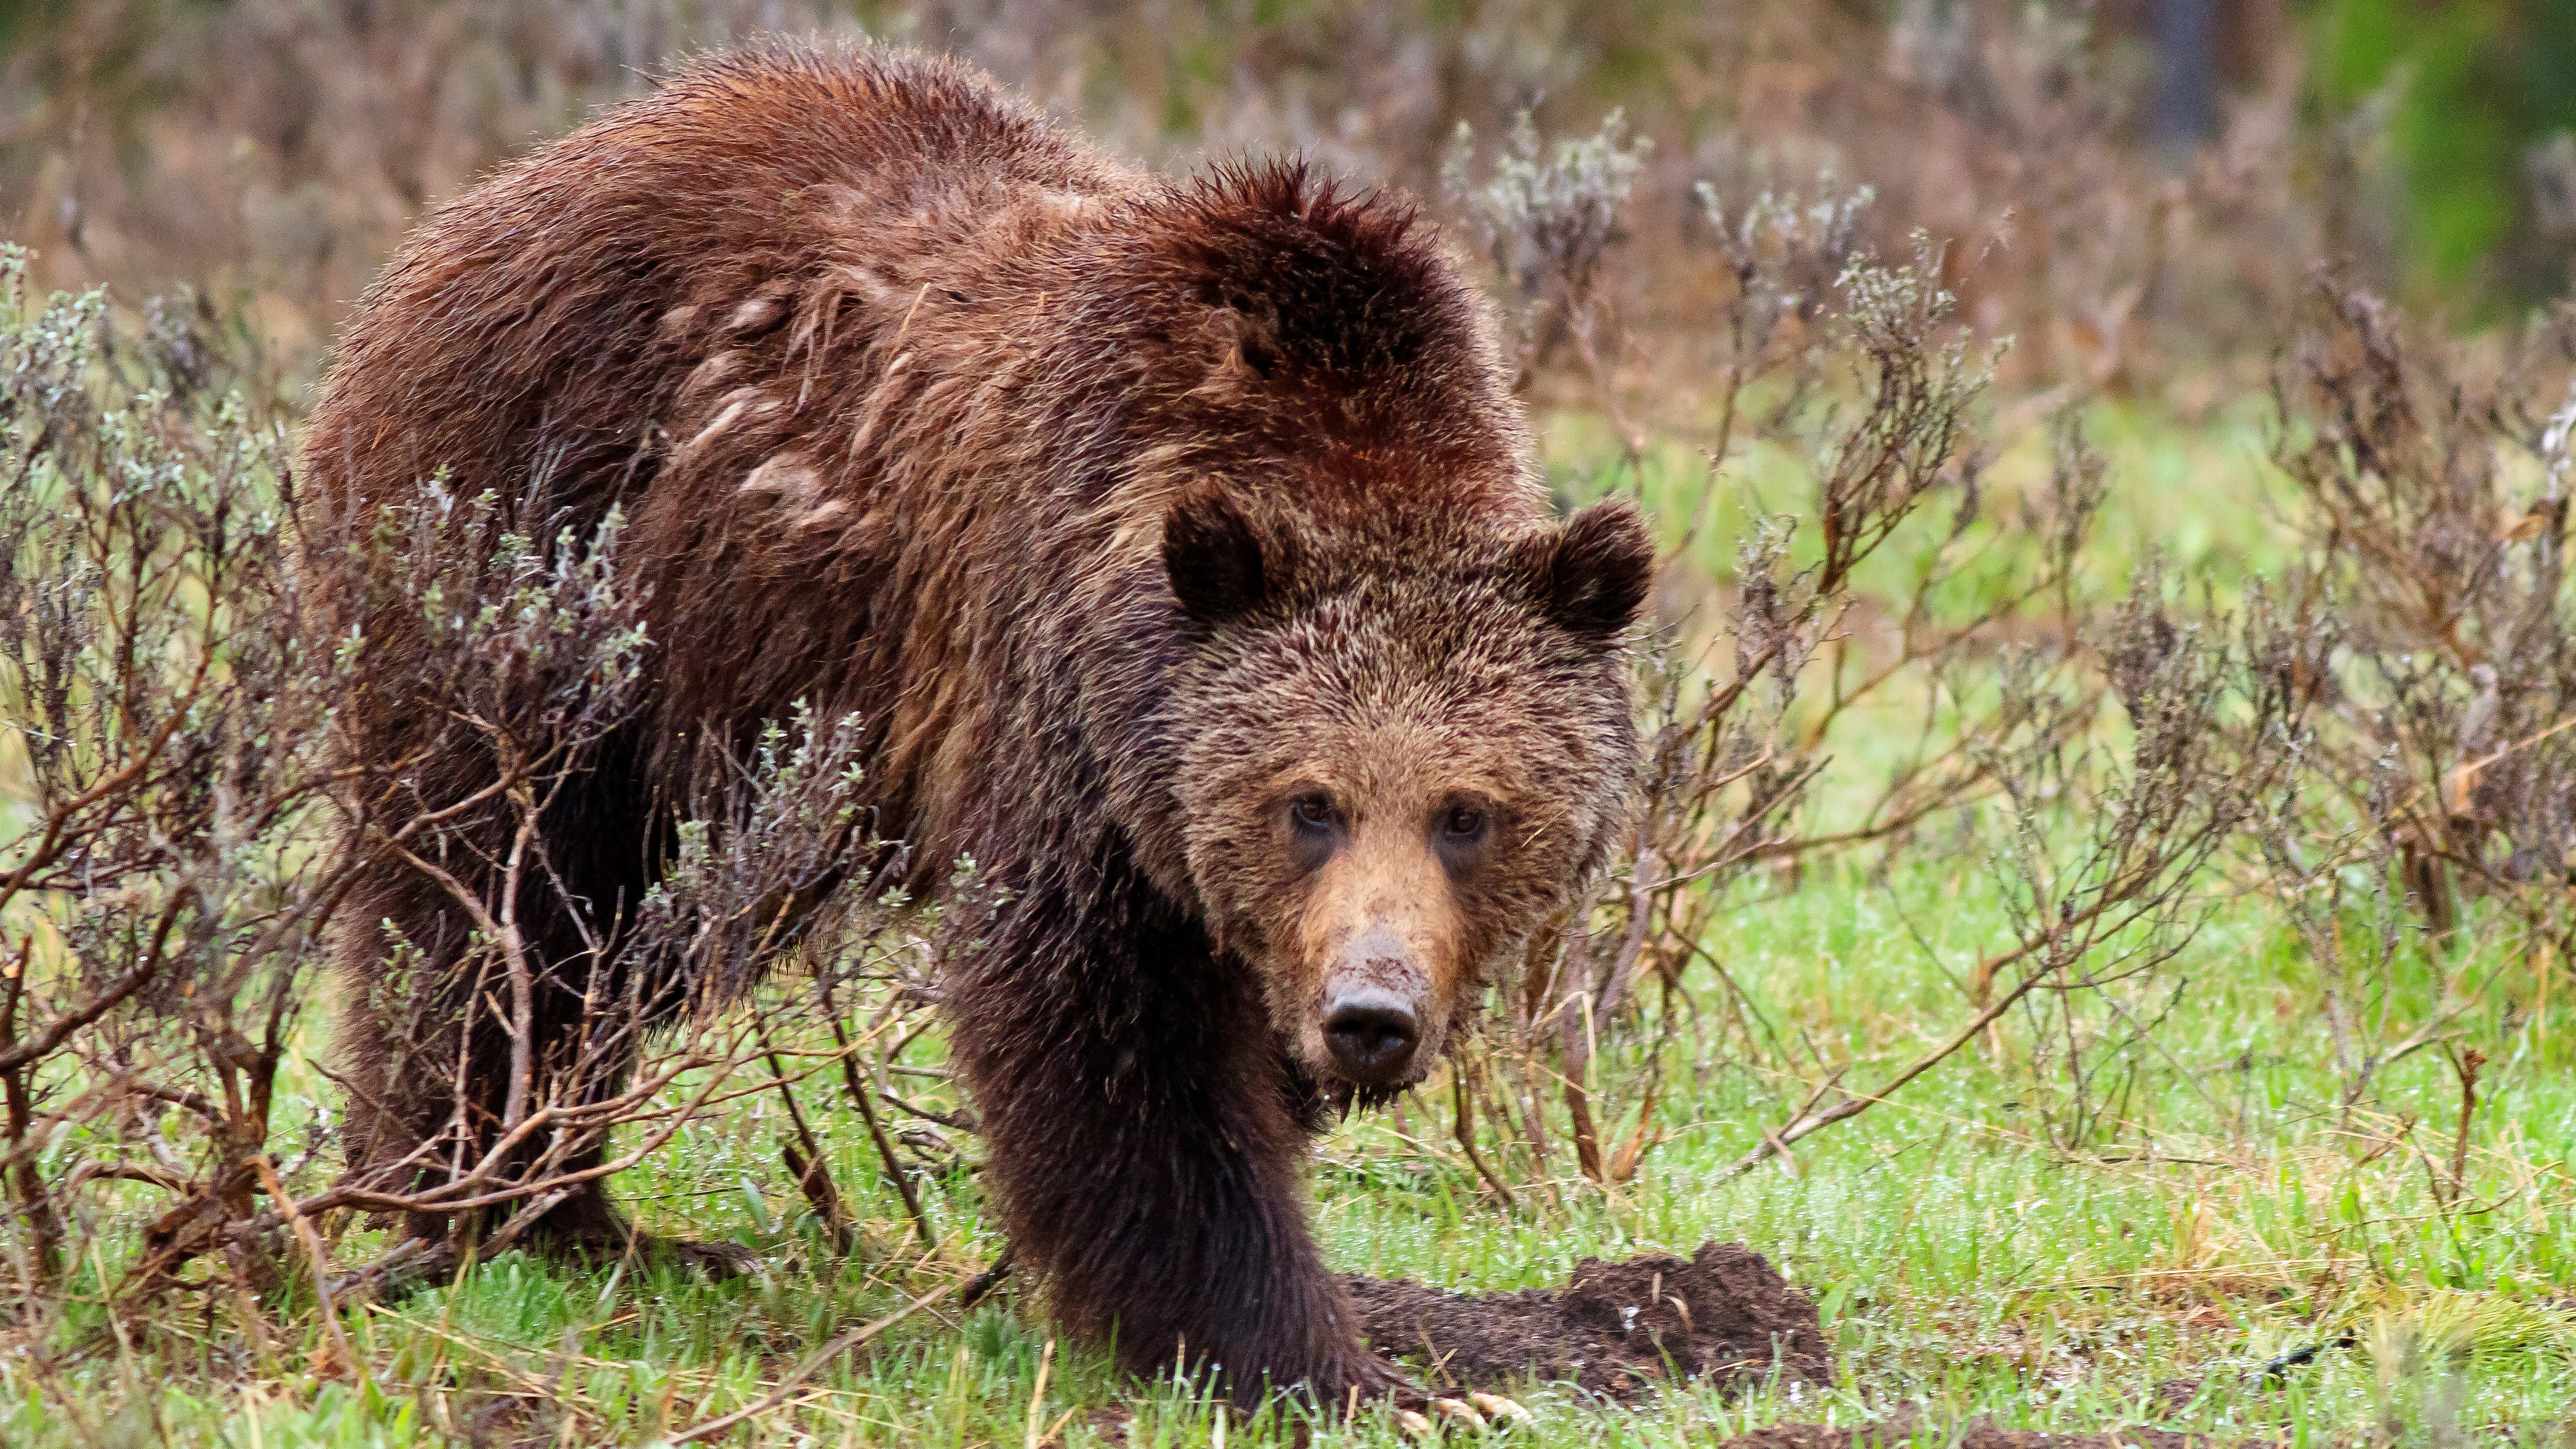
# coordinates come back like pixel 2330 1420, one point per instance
pixel 1178 542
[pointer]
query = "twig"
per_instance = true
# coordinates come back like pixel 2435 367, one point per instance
pixel 314 1250
pixel 2466 1064
pixel 876 1130
pixel 960 1120
pixel 813 1177
pixel 1466 1120
pixel 1802 1124
pixel 981 1286
pixel 780 1391
pixel 2271 1372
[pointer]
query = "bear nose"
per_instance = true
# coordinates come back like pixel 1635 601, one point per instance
pixel 1371 1033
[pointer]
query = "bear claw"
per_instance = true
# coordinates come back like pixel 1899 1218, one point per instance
pixel 1508 1411
pixel 1477 1411
pixel 1459 1410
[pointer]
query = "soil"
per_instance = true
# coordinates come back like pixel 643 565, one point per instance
pixel 1616 1328
pixel 1902 1430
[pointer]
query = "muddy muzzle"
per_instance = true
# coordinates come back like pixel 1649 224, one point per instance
pixel 1374 1010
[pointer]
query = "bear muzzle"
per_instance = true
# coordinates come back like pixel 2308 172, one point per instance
pixel 1374 1011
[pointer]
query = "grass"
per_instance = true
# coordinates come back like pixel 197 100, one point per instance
pixel 2201 495
pixel 1961 1261
pixel 1965 1257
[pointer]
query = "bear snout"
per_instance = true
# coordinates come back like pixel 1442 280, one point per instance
pixel 1372 1033
pixel 1373 1012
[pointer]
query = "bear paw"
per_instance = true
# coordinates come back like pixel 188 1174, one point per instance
pixel 1476 1411
pixel 1507 1412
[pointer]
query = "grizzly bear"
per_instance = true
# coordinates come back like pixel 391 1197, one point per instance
pixel 1178 543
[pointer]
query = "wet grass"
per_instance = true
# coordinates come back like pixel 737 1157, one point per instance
pixel 1964 1260
pixel 1973 1251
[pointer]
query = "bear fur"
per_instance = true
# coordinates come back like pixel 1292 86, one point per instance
pixel 1177 542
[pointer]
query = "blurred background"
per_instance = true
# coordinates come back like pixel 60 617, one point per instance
pixel 2134 190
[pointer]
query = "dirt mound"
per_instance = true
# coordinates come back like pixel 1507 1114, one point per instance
pixel 1615 1328
pixel 1901 1431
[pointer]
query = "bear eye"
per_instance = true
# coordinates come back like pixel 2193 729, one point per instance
pixel 1462 824
pixel 1312 810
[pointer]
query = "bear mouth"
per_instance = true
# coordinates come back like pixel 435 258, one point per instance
pixel 1344 1091
pixel 1341 1098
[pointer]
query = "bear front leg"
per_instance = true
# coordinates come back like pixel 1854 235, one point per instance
pixel 1145 1143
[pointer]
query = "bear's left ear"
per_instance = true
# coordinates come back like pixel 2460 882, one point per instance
pixel 1214 555
pixel 1593 575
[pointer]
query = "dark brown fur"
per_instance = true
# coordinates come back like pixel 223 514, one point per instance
pixel 1126 511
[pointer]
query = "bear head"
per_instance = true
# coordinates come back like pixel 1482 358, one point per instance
pixel 1403 736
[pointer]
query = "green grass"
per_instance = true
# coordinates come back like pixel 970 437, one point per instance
pixel 1962 1262
pixel 2202 495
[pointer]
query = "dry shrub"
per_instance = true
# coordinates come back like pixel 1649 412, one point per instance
pixel 1860 367
pixel 2432 620
pixel 188 822
pixel 2105 862
pixel 2113 757
pixel 2016 136
pixel 160 905
pixel 1548 220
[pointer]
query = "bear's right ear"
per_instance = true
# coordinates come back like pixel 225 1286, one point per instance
pixel 1214 558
